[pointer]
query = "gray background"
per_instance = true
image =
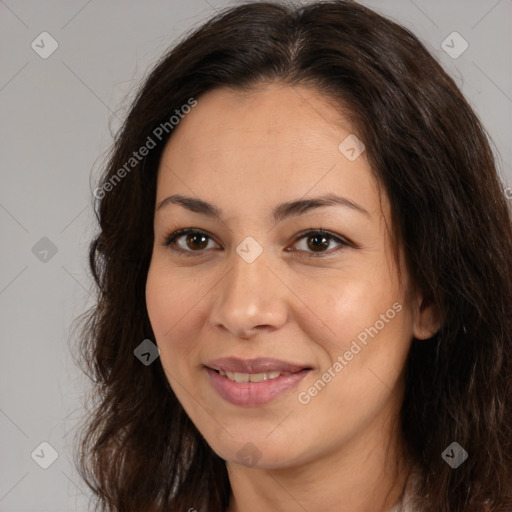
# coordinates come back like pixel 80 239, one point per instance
pixel 56 115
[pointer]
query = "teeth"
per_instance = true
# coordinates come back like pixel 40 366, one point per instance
pixel 252 377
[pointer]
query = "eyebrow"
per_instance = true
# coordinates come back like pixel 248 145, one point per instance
pixel 280 212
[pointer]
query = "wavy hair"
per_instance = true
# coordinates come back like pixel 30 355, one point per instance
pixel 137 449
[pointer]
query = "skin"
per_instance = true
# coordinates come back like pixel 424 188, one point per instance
pixel 247 153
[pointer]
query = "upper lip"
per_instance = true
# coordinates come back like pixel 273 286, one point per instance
pixel 257 365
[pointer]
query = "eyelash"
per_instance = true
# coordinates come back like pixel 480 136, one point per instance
pixel 170 239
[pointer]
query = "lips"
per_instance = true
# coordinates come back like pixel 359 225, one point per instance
pixel 258 365
pixel 274 378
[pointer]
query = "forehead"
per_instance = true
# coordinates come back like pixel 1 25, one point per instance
pixel 272 144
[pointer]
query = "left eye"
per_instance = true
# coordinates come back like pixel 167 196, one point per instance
pixel 316 242
pixel 319 240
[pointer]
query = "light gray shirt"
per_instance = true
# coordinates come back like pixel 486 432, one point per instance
pixel 405 504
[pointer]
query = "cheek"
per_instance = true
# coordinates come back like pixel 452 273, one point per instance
pixel 369 331
pixel 172 304
pixel 159 302
pixel 363 375
pixel 367 359
pixel 351 304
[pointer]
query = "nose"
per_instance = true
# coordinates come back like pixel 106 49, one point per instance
pixel 250 299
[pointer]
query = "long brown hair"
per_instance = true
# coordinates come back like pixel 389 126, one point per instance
pixel 138 450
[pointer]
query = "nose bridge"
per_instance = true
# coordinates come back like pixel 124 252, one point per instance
pixel 250 295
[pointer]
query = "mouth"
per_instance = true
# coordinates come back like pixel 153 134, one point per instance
pixel 251 377
pixel 254 382
pixel 258 365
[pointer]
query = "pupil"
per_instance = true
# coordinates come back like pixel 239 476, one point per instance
pixel 324 241
pixel 194 236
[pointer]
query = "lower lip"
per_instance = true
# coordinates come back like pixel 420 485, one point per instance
pixel 254 393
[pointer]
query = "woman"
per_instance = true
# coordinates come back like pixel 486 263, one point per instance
pixel 303 214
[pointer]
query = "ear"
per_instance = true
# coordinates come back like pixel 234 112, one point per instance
pixel 426 318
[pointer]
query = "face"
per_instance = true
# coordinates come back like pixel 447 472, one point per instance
pixel 314 325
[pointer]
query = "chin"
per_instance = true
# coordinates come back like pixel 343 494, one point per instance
pixel 258 454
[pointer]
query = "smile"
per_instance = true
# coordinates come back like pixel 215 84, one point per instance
pixel 253 389
pixel 252 377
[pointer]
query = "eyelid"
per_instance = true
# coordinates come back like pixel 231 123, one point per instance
pixel 169 239
pixel 342 241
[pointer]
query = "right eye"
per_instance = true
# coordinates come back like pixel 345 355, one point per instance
pixel 182 240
